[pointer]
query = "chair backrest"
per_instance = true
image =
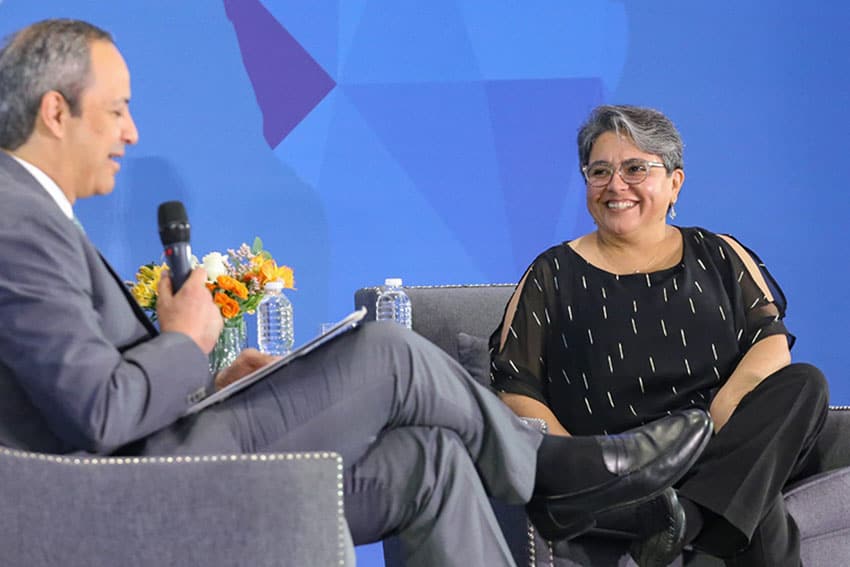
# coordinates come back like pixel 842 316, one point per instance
pixel 271 509
pixel 441 312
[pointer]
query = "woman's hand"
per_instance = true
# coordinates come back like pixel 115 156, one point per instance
pixel 248 360
pixel 721 409
pixel 763 359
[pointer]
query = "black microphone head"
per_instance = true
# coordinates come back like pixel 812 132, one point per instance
pixel 173 223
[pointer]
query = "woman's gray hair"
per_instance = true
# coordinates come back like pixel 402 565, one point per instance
pixel 51 55
pixel 648 129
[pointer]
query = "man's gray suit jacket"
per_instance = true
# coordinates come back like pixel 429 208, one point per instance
pixel 81 366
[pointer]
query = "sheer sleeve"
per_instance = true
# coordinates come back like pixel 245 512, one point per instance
pixel 518 345
pixel 762 298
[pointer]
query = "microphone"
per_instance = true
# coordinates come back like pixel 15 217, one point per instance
pixel 174 234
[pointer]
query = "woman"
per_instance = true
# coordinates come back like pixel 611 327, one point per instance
pixel 639 318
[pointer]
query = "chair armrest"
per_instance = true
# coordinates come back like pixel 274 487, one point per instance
pixel 199 510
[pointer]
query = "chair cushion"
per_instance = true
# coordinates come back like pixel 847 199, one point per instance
pixel 821 507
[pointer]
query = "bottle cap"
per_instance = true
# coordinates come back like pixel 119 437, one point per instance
pixel 393 282
pixel 274 285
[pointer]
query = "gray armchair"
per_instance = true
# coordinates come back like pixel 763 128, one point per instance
pixel 217 511
pixel 460 318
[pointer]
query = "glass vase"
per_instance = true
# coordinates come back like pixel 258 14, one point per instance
pixel 232 340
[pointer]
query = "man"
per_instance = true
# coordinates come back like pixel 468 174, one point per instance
pixel 83 370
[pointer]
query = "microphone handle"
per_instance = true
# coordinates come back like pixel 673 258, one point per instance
pixel 179 259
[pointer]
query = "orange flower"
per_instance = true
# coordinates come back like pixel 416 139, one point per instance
pixel 229 307
pixel 236 287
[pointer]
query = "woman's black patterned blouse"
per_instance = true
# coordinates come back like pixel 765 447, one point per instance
pixel 608 352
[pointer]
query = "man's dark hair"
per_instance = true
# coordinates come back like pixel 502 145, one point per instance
pixel 51 55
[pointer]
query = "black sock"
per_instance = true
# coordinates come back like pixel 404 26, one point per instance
pixel 693 519
pixel 568 464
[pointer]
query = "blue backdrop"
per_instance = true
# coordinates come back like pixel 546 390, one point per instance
pixel 436 140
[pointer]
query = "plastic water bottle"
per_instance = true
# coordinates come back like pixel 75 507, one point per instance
pixel 393 304
pixel 275 329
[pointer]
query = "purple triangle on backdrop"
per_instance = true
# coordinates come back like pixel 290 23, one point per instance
pixel 288 83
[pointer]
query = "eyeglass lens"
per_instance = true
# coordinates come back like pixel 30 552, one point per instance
pixel 632 171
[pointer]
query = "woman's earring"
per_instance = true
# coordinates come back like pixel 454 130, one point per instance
pixel 672 211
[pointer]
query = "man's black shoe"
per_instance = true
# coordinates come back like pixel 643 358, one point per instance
pixel 643 461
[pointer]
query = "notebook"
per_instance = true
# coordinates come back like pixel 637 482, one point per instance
pixel 350 321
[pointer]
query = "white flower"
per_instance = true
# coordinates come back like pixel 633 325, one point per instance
pixel 216 265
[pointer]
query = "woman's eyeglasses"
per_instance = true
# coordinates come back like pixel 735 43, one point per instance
pixel 631 171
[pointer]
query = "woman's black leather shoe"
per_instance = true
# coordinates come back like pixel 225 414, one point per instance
pixel 661 548
pixel 644 461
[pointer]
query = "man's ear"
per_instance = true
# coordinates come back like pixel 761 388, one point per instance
pixel 53 114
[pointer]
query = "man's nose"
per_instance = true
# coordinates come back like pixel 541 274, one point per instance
pixel 130 133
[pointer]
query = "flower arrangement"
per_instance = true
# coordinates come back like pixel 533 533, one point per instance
pixel 235 279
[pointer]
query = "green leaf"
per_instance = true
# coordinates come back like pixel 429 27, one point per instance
pixel 257 246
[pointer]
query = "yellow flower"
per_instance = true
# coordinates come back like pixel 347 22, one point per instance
pixel 269 271
pixel 147 281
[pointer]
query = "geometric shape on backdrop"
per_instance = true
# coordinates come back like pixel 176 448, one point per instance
pixel 440 135
pixel 314 24
pixel 556 39
pixel 408 42
pixel 534 126
pixel 288 83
